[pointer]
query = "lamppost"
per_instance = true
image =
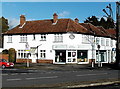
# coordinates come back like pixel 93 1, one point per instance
pixel 118 33
pixel 110 15
pixel 37 50
pixel 98 46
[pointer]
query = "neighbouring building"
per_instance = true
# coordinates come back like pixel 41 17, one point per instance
pixel 61 41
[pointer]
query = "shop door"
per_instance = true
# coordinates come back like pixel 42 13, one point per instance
pixel 71 56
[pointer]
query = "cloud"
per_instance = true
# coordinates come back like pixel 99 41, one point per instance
pixel 13 22
pixel 63 14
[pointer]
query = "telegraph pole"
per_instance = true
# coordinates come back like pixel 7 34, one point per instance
pixel 118 34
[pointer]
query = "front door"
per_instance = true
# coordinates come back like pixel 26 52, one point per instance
pixel 71 56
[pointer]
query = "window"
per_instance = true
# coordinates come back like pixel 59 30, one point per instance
pixel 85 39
pixel 42 53
pixel 23 38
pixel 82 56
pixel 10 38
pixel 97 40
pixel 107 42
pixel 43 37
pixel 58 38
pixel 22 54
pixel 111 42
pixel 102 41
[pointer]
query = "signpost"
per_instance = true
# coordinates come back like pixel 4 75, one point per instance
pixel 27 49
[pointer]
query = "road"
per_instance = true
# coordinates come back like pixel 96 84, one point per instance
pixel 46 78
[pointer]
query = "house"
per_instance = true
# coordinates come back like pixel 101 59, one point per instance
pixel 60 41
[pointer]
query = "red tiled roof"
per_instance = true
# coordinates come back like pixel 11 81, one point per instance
pixel 99 30
pixel 112 31
pixel 93 29
pixel 47 26
pixel 62 25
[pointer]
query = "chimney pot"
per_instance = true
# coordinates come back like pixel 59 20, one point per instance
pixel 22 20
pixel 76 20
pixel 55 18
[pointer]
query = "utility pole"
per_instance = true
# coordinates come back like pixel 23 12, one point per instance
pixel 118 33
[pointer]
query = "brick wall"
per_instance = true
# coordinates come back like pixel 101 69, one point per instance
pixel 44 61
pixel 23 60
pixel 4 56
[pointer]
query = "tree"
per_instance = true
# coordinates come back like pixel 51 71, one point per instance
pixel 102 22
pixel 109 23
pixel 93 20
pixel 3 28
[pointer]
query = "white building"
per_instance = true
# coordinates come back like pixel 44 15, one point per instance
pixel 60 41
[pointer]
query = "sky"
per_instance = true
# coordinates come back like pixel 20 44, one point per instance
pixel 45 10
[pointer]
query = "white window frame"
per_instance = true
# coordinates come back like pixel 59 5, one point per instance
pixel 23 38
pixel 43 54
pixel 97 40
pixel 107 42
pixel 9 38
pixel 86 39
pixel 102 41
pixel 43 37
pixel 111 42
pixel 58 38
pixel 22 54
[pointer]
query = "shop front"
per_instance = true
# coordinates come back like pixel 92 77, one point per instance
pixel 71 56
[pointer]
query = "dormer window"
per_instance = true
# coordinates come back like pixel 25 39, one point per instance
pixel 43 37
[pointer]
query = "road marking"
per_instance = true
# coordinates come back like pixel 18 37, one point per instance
pixel 92 74
pixel 23 73
pixel 4 74
pixel 13 79
pixel 30 73
pixel 14 74
pixel 42 77
pixel 9 69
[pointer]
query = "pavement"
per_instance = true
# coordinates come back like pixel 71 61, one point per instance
pixel 63 67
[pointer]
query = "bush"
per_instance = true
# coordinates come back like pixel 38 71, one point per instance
pixel 5 51
pixel 12 55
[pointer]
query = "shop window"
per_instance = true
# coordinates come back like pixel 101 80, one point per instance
pixel 82 56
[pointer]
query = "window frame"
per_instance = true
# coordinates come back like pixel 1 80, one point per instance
pixel 58 38
pixel 23 38
pixel 9 39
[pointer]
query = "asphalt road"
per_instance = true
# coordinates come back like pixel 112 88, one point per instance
pixel 48 78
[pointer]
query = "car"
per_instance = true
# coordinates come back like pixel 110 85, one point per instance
pixel 5 64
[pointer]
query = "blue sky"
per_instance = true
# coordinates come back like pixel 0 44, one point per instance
pixel 45 10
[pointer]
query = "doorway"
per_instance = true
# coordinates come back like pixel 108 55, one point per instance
pixel 71 56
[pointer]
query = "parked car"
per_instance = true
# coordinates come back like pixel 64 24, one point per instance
pixel 4 63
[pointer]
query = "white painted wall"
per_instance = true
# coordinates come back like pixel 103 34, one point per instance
pixel 49 45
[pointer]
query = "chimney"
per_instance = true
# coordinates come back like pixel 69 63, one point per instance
pixel 22 20
pixel 76 20
pixel 55 18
